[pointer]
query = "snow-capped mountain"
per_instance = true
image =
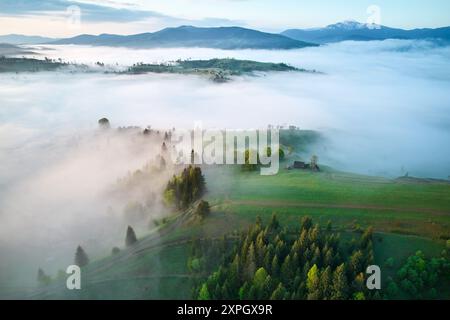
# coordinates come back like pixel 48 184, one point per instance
pixel 353 30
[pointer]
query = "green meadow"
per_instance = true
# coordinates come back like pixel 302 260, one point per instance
pixel 407 216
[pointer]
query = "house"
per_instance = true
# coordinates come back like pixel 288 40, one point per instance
pixel 303 165
pixel 300 165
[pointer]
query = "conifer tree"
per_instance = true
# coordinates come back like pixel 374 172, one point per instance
pixel 340 284
pixel 278 293
pixel 81 258
pixel 130 238
pixel 313 283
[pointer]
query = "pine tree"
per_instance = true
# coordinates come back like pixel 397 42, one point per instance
pixel 42 277
pixel 251 262
pixel 359 283
pixel 204 293
pixel 313 283
pixel 366 237
pixel 81 258
pixel 130 238
pixel 286 270
pixel 278 293
pixel 274 224
pixel 326 283
pixel 267 288
pixel 243 291
pixel 203 209
pixel 356 263
pixel 275 266
pixel 328 259
pixel 259 280
pixel 340 284
pixel 306 223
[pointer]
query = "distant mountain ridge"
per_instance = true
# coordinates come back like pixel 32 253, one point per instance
pixel 352 30
pixel 188 36
pixel 22 39
pixel 239 38
pixel 7 49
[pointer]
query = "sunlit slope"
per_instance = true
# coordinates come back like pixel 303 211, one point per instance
pixel 156 266
pixel 406 206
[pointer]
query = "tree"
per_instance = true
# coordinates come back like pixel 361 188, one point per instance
pixel 130 238
pixel 328 259
pixel 203 209
pixel 104 123
pixel 275 266
pixel 359 296
pixel 243 291
pixel 340 284
pixel 274 224
pixel 204 293
pixel 359 284
pixel 42 277
pixel 247 166
pixel 268 262
pixel 392 290
pixel 356 262
pixel 326 278
pixel 81 258
pixel 278 293
pixel 390 262
pixel 366 238
pixel 306 223
pixel 251 262
pixel 314 161
pixel 313 283
pixel 184 189
pixel 260 277
pixel 286 269
pixel 281 154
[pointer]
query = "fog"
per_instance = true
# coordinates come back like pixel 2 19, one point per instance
pixel 382 106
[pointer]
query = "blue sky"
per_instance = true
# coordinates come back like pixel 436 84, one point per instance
pixel 53 18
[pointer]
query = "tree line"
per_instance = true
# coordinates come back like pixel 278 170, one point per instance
pixel 268 262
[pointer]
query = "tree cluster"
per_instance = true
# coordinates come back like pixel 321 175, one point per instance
pixel 420 276
pixel 186 188
pixel 269 262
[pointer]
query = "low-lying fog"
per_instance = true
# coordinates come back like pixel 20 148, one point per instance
pixel 384 107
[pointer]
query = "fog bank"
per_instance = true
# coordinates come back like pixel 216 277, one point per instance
pixel 383 106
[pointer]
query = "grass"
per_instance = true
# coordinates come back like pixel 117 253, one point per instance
pixel 345 199
pixel 407 216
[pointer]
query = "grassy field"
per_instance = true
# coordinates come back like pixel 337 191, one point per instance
pixel 348 200
pixel 407 216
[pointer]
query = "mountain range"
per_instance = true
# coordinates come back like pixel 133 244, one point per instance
pixel 240 38
pixel 352 30
pixel 22 39
pixel 188 36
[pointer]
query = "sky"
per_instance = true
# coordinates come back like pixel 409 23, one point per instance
pixel 62 18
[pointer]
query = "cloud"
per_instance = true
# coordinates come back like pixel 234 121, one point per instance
pixel 99 11
pixel 90 12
